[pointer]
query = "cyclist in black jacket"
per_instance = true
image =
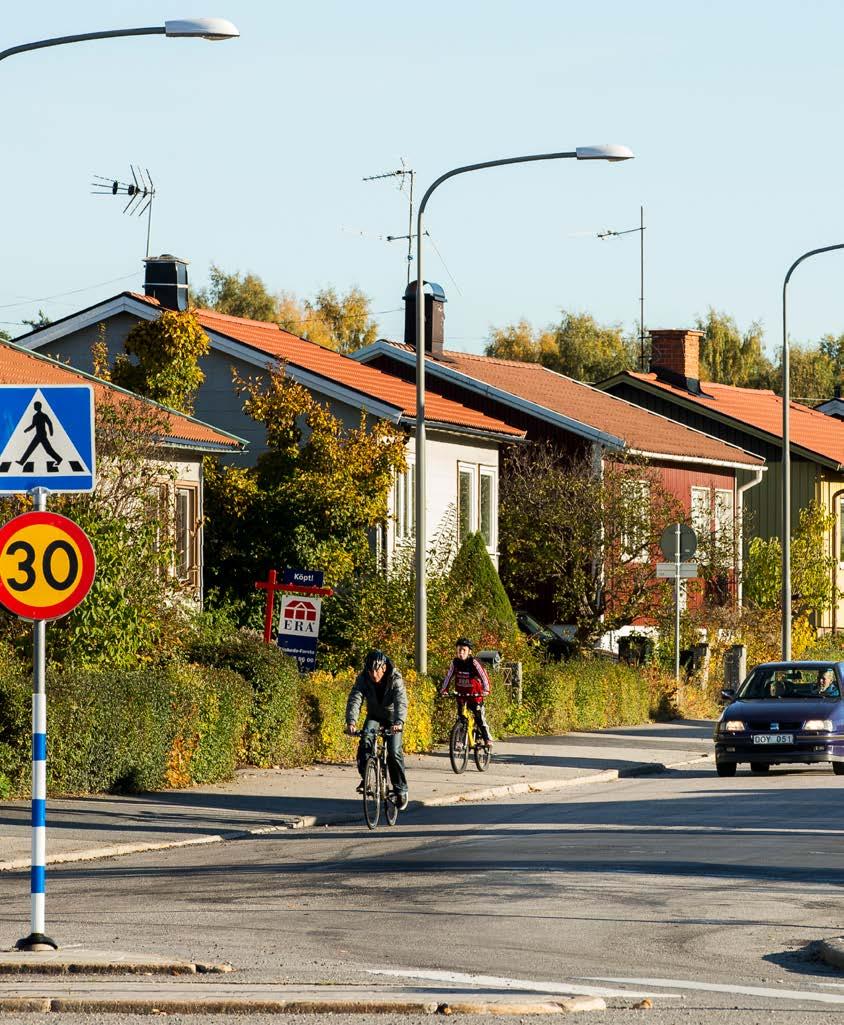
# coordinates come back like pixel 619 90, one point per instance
pixel 381 686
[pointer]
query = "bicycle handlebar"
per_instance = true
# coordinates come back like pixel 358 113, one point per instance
pixel 385 731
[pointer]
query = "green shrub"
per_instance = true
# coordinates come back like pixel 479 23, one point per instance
pixel 276 731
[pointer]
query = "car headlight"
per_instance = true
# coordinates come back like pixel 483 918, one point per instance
pixel 818 724
pixel 732 726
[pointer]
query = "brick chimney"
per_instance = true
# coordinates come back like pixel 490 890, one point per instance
pixel 675 358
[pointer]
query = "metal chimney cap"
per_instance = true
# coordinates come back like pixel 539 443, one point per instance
pixel 429 287
pixel 165 257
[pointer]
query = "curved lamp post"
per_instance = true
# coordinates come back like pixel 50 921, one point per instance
pixel 785 540
pixel 607 152
pixel 186 28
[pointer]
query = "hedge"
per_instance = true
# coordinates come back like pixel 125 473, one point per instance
pixel 276 732
pixel 122 731
pixel 182 724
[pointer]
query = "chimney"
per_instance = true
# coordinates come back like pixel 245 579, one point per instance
pixel 435 301
pixel 166 279
pixel 675 358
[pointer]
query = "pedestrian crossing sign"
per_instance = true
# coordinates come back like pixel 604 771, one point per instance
pixel 46 438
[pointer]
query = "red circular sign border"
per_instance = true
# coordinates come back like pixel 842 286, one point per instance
pixel 89 566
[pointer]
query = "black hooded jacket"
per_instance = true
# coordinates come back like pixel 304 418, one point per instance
pixel 386 702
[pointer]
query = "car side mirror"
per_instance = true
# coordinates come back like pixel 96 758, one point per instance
pixel 728 695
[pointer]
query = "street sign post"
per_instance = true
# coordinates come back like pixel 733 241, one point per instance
pixel 47 566
pixel 46 438
pixel 678 543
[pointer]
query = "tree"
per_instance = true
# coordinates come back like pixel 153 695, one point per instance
pixel 237 296
pixel 312 499
pixel 166 355
pixel 474 575
pixel 578 347
pixel 340 322
pixel 42 320
pixel 813 589
pixel 729 357
pixel 585 539
pixel 813 374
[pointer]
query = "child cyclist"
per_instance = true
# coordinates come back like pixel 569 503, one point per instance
pixel 471 684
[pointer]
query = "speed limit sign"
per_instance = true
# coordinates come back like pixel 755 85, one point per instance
pixel 47 565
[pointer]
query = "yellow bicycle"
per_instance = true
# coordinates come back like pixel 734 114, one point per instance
pixel 463 739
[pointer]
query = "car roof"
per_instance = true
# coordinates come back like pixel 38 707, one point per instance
pixel 813 664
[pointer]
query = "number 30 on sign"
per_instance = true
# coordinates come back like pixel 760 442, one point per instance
pixel 47 565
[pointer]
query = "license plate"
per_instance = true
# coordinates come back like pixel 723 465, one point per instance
pixel 773 738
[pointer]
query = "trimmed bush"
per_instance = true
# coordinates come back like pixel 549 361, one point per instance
pixel 124 731
pixel 276 732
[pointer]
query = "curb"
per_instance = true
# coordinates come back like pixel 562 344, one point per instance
pixel 309 821
pixel 830 951
pixel 217 1005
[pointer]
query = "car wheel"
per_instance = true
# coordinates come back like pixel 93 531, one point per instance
pixel 726 768
pixel 759 767
pixel 838 768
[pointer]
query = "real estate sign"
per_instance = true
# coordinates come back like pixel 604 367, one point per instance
pixel 298 628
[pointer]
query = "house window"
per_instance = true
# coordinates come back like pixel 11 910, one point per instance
pixel 467 518
pixel 405 502
pixel 636 528
pixel 488 505
pixel 724 517
pixel 187 532
pixel 702 512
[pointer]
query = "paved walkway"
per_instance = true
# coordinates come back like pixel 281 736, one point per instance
pixel 257 801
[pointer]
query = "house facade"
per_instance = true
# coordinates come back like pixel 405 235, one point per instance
pixel 463 444
pixel 178 452
pixel 709 477
pixel 751 418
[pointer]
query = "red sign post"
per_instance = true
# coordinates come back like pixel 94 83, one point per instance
pixel 271 585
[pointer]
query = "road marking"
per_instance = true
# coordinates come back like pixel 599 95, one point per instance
pixel 526 985
pixel 714 987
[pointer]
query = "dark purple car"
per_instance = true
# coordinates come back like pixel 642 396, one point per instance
pixel 783 712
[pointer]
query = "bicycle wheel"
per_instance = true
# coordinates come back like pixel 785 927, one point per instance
pixel 458 747
pixel 391 807
pixel 372 793
pixel 482 756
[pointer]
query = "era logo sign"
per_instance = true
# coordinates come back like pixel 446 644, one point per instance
pixel 300 616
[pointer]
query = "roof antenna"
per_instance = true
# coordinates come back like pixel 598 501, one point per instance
pixel 141 192
pixel 641 231
pixel 404 173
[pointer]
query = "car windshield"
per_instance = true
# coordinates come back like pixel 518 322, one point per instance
pixel 773 682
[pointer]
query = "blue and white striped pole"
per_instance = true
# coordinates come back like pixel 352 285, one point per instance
pixel 37 940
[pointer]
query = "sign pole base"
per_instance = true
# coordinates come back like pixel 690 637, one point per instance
pixel 36 941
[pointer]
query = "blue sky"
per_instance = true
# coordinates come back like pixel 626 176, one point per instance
pixel 258 148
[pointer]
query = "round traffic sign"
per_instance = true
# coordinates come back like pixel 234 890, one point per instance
pixel 668 542
pixel 47 565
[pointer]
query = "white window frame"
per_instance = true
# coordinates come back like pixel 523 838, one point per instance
pixel 489 473
pixel 698 513
pixel 187 557
pixel 840 525
pixel 724 524
pixel 472 470
pixel 404 502
pixel 635 549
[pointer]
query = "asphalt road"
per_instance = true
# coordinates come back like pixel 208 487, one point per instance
pixel 698 892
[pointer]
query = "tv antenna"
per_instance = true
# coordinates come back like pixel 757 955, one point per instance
pixel 141 192
pixel 404 174
pixel 631 231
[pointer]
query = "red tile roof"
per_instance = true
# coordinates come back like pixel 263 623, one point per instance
pixel 639 429
pixel 762 409
pixel 21 367
pixel 334 366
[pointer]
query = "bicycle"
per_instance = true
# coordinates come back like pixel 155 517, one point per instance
pixel 463 739
pixel 377 790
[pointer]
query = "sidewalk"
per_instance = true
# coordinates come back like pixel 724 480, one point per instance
pixel 258 800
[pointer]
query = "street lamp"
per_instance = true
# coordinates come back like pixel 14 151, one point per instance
pixel 606 152
pixel 197 28
pixel 187 28
pixel 786 462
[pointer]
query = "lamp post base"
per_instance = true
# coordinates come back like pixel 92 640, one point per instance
pixel 36 941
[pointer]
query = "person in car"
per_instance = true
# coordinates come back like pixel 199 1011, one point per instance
pixel 828 685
